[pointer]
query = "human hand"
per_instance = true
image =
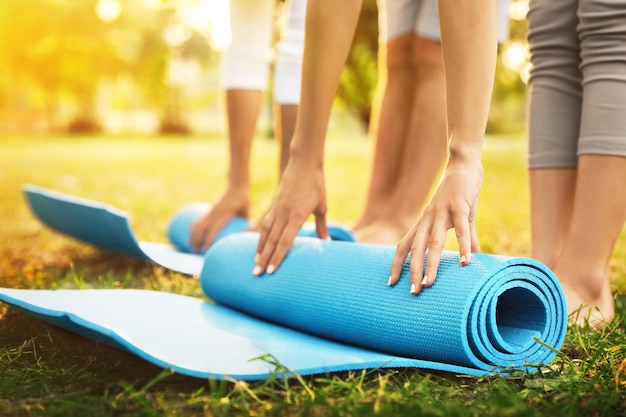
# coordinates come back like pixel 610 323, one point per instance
pixel 301 192
pixel 453 206
pixel 234 202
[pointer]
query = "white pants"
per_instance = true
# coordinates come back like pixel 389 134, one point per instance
pixel 399 17
pixel 246 63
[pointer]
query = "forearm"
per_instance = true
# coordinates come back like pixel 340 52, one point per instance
pixel 469 43
pixel 330 27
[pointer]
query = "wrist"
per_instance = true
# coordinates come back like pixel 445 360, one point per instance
pixel 307 156
pixel 466 159
pixel 466 152
pixel 238 187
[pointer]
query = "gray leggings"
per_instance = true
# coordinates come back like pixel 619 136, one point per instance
pixel 577 96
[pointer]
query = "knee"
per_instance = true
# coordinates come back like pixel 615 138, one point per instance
pixel 246 67
pixel 399 55
pixel 426 58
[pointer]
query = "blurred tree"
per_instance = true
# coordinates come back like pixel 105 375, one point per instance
pixel 164 44
pixel 55 52
pixel 61 47
pixel 508 107
pixel 64 48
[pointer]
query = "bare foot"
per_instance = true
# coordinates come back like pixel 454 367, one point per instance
pixel 382 233
pixel 589 301
pixel 366 220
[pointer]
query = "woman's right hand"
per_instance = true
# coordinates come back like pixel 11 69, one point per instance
pixel 233 203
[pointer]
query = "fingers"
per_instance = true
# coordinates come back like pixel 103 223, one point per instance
pixel 197 234
pixel 211 233
pixel 264 228
pixel 279 229
pixel 203 232
pixel 453 205
pixel 198 230
pixel 426 242
pixel 267 241
pixel 436 238
pixel 465 229
pixel 475 246
pixel 402 251
pixel 464 237
pixel 276 236
pixel 321 227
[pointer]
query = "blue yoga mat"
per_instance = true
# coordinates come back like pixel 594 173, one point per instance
pixel 109 228
pixel 326 309
pixel 178 229
pixel 481 316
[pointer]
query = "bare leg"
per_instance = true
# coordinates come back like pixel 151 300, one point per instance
pixel 243 107
pixel 551 202
pixel 389 123
pixel 575 113
pixel 597 220
pixel 423 152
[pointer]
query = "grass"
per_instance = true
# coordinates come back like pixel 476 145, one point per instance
pixel 47 371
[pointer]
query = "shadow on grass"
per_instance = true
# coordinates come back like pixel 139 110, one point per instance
pixel 37 359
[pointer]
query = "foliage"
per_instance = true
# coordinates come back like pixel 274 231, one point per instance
pixel 58 58
pixel 46 371
pixel 59 47
pixel 60 51
pixel 508 108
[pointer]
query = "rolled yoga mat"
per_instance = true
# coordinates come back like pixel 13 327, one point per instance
pixel 326 309
pixel 483 316
pixel 179 226
pixel 109 228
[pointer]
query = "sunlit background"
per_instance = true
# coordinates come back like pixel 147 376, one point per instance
pixel 152 66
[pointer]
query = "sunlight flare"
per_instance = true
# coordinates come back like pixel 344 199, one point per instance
pixel 108 10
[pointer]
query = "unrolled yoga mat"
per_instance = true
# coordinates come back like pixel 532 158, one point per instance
pixel 326 309
pixel 109 228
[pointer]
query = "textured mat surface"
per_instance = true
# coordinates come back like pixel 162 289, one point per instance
pixel 478 316
pixel 326 309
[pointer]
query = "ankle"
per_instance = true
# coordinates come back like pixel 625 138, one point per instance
pixel 589 284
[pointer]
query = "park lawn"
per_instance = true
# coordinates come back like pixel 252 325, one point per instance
pixel 47 371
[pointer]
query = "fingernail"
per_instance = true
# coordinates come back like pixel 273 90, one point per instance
pixel 257 270
pixel 425 280
pixel 463 260
pixel 413 288
pixel 389 281
pixel 271 269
